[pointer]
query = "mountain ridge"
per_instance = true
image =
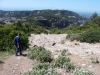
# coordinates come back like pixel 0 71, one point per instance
pixel 52 18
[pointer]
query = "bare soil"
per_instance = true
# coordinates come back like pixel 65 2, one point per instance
pixel 16 65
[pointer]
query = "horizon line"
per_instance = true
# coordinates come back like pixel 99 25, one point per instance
pixel 48 9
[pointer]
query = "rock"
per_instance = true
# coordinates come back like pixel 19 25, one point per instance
pixel 83 64
pixel 27 49
pixel 56 56
pixel 53 44
pixel 58 50
pixel 30 69
pixel 90 66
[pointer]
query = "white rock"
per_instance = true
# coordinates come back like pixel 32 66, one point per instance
pixel 90 66
pixel 83 64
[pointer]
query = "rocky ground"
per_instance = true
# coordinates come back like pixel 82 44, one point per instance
pixel 16 65
pixel 80 53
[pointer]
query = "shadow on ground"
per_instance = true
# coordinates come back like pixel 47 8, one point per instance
pixel 1 62
pixel 24 55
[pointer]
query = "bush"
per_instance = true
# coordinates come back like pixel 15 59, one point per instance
pixel 91 36
pixel 72 37
pixel 80 71
pixel 40 54
pixel 7 34
pixel 69 66
pixel 24 38
pixel 55 31
pixel 59 62
pixel 42 69
pixel 10 51
pixel 62 41
pixel 63 52
pixel 41 66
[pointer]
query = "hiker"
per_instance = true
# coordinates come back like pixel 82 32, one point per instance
pixel 17 42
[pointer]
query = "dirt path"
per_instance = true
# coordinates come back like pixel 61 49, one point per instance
pixel 16 65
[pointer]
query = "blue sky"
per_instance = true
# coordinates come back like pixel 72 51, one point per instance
pixel 73 5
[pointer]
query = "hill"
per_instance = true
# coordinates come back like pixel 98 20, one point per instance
pixel 50 18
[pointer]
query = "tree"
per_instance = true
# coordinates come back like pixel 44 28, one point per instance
pixel 26 27
pixel 95 15
pixel 18 25
pixel 95 19
pixel 7 34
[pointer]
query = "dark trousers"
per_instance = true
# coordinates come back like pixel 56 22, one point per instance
pixel 18 50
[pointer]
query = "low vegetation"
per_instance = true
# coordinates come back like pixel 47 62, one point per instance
pixel 43 69
pixel 64 62
pixel 63 52
pixel 89 32
pixel 91 36
pixel 50 68
pixel 59 62
pixel 40 53
pixel 80 71
pixel 69 66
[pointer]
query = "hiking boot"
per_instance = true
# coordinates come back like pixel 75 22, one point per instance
pixel 16 54
pixel 21 54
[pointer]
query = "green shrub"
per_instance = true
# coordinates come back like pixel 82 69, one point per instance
pixel 59 62
pixel 42 69
pixel 62 41
pixel 69 66
pixel 10 51
pixel 7 34
pixel 24 38
pixel 40 54
pixel 80 71
pixel 33 52
pixel 63 52
pixel 91 36
pixel 73 37
pixel 55 31
pixel 41 66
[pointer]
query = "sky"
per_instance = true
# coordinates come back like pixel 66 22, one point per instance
pixel 72 5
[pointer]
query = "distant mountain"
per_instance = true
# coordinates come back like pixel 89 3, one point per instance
pixel 16 14
pixel 87 14
pixel 52 18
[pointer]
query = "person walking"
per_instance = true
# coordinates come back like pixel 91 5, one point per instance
pixel 17 42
